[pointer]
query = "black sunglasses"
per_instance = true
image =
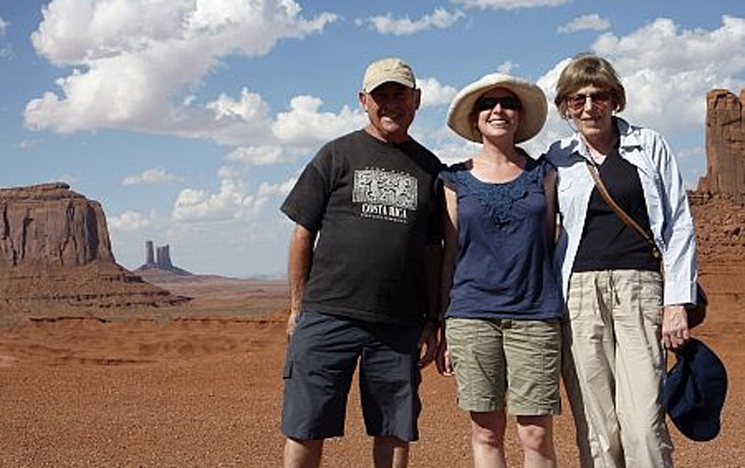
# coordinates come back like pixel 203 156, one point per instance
pixel 505 102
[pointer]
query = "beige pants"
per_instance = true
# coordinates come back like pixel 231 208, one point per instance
pixel 614 369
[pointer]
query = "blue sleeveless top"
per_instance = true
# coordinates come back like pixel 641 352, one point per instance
pixel 504 266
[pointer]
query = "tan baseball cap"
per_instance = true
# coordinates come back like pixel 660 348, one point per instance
pixel 387 70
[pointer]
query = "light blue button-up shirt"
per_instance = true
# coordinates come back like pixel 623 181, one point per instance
pixel 667 205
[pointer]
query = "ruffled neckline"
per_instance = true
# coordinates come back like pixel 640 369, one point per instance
pixel 497 198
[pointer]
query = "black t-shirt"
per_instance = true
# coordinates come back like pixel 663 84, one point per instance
pixel 608 243
pixel 376 206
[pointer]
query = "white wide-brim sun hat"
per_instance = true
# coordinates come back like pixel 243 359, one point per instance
pixel 534 106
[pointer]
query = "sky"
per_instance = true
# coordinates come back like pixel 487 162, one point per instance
pixel 190 120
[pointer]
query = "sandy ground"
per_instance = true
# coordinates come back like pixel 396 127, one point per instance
pixel 200 386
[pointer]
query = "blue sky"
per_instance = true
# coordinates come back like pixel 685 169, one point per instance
pixel 189 120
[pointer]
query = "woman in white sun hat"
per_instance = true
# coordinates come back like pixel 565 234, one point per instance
pixel 501 300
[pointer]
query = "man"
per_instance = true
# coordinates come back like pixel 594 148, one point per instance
pixel 364 266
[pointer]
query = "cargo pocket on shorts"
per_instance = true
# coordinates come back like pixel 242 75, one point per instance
pixel 287 373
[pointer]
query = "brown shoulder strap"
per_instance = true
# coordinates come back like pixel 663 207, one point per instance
pixel 619 211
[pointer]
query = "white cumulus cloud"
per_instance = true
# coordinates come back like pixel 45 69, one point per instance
pixel 259 155
pixel 440 18
pixel 5 49
pixel 128 221
pixel 292 133
pixel 668 70
pixel 154 176
pixel 509 4
pixel 593 22
pixel 268 191
pixel 129 59
pixel 435 93
pixel 303 124
pixel 232 204
pixel 26 144
pixel 197 205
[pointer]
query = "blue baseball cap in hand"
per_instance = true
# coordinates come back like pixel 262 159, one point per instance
pixel 695 391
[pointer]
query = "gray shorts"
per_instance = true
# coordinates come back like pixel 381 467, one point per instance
pixel 321 360
pixel 503 362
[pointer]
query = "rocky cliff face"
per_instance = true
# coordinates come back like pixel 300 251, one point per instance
pixel 725 145
pixel 51 225
pixel 720 229
pixel 718 204
pixel 55 248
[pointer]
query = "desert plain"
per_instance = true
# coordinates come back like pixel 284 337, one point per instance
pixel 200 385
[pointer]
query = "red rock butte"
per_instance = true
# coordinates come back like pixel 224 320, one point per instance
pixel 725 145
pixel 717 203
pixel 55 248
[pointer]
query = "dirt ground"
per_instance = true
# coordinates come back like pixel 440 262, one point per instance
pixel 200 385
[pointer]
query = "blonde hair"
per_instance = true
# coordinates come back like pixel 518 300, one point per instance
pixel 584 70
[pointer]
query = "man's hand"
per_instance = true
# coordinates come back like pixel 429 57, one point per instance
pixel 292 323
pixel 428 341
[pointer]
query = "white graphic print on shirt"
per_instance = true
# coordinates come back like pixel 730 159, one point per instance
pixel 384 194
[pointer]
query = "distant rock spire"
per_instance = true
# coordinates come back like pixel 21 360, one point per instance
pixel 158 259
pixel 149 255
pixel 725 145
pixel 718 204
pixel 164 257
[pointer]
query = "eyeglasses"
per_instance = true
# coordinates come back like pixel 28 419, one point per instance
pixel 489 103
pixel 598 99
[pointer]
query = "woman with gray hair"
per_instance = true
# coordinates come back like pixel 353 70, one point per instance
pixel 624 220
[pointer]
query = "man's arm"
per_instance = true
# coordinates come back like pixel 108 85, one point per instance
pixel 299 261
pixel 432 268
pixel 450 252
